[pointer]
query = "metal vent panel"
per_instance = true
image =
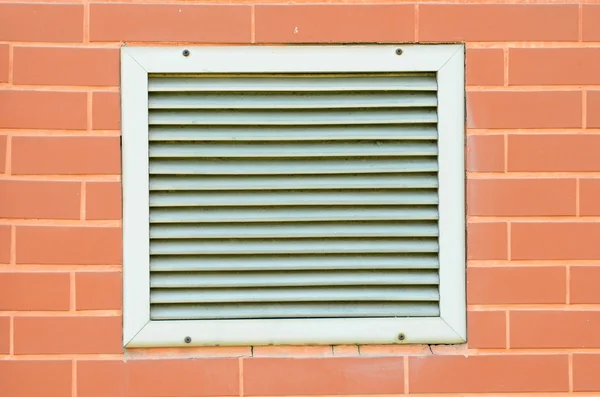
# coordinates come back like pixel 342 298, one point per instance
pixel 293 196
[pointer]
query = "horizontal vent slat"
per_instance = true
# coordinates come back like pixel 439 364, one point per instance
pixel 192 166
pixel 261 150
pixel 284 198
pixel 292 82
pixel 304 229
pixel 293 117
pixel 293 100
pixel 291 246
pixel 298 294
pixel 298 262
pixel 290 214
pixel 370 181
pixel 292 133
pixel 294 310
pixel 293 279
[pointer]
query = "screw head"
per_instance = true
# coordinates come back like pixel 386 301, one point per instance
pixel 399 51
pixel 186 53
pixel 187 339
pixel 401 336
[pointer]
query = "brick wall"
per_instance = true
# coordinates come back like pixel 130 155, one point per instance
pixel 533 95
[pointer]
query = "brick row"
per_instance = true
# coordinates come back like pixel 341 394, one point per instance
pixel 50 290
pixel 299 23
pixel 26 199
pixel 331 376
pixel 17 108
pixel 537 240
pixel 556 152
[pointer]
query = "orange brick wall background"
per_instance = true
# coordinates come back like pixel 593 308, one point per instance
pixel 533 97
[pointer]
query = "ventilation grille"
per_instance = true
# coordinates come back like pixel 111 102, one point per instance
pixel 293 196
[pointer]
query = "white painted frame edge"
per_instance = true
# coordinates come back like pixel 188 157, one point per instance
pixel 446 60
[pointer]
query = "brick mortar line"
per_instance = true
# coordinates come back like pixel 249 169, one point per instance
pixel 62 134
pixel 473 44
pixel 531 262
pixel 580 22
pixel 59 313
pixel 571 372
pixel 253 24
pixel 8 157
pixel 183 355
pixel 72 292
pixel 61 222
pixel 65 178
pixel 584 109
pixel 505 67
pixel 578 307
pixel 568 285
pixel 57 88
pixel 563 133
pixel 507 328
pixel 533 219
pixel 20 268
pixel 526 175
pixel 11 56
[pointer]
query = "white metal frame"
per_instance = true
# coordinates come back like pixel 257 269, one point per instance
pixel 446 60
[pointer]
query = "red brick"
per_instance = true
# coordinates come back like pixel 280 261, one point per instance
pixel 4 62
pixel 66 155
pixel 101 378
pixel 34 291
pixel 593 109
pixel 524 109
pixel 103 200
pixel 488 374
pixel 5 244
pixel 586 368
pixel 67 335
pixel 485 153
pixel 68 245
pixel 161 22
pixel 4 335
pixel 498 22
pixel 548 153
pixel 39 200
pixel 521 197
pixel 28 378
pixel 353 23
pixel 487 241
pixel 554 329
pixel 584 282
pixel 486 330
pixel 591 28
pixel 485 67
pixel 2 153
pixel 589 197
pixel 552 66
pixel 98 290
pixel 555 241
pixel 66 66
pixel 158 378
pixel 43 109
pixel 41 22
pixel 106 111
pixel 323 376
pixel 516 284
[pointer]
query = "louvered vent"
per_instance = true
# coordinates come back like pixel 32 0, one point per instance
pixel 293 196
